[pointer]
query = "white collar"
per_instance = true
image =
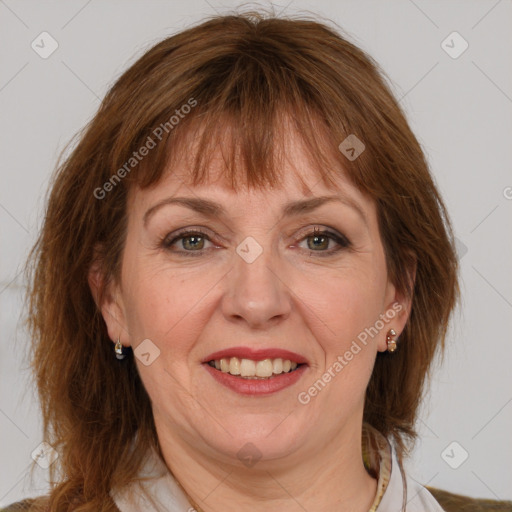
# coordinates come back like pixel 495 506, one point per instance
pixel 405 494
pixel 159 492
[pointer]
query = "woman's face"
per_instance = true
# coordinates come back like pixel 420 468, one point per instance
pixel 245 281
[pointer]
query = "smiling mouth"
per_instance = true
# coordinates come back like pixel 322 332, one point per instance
pixel 252 369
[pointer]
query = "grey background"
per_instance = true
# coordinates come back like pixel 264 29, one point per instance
pixel 460 110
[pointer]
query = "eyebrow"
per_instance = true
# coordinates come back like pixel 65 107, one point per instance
pixel 210 208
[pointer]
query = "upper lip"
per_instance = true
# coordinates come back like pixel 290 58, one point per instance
pixel 255 354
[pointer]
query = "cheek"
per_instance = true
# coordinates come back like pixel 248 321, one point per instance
pixel 345 304
pixel 166 305
pixel 344 309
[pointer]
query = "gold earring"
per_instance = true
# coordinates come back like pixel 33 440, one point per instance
pixel 391 341
pixel 119 349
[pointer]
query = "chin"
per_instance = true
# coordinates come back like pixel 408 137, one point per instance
pixel 257 436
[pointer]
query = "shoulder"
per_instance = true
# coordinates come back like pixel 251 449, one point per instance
pixel 24 505
pixel 39 504
pixel 459 503
pixel 34 505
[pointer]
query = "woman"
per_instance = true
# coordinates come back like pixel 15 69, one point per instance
pixel 244 273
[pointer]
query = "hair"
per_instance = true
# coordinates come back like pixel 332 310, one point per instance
pixel 242 76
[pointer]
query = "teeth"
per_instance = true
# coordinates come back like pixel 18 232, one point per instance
pixel 248 368
pixel 234 366
pixel 264 368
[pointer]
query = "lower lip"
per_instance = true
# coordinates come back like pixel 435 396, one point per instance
pixel 256 386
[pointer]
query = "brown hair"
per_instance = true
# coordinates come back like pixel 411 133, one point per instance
pixel 245 71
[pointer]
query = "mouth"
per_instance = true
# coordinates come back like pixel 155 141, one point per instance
pixel 253 369
pixel 249 371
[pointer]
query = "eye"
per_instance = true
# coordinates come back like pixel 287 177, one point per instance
pixel 191 241
pixel 318 240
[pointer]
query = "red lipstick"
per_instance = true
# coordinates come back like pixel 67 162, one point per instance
pixel 256 387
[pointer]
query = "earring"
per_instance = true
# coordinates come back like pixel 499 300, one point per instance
pixel 120 350
pixel 391 341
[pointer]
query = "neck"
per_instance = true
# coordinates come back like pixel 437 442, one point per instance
pixel 329 477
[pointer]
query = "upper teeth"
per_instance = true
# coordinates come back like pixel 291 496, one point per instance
pixel 251 368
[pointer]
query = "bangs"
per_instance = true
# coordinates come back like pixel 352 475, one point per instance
pixel 253 150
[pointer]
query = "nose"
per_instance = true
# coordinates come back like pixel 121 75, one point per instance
pixel 256 292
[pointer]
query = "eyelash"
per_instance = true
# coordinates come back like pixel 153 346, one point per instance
pixel 342 241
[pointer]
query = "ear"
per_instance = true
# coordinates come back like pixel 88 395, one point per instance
pixel 398 307
pixel 107 296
